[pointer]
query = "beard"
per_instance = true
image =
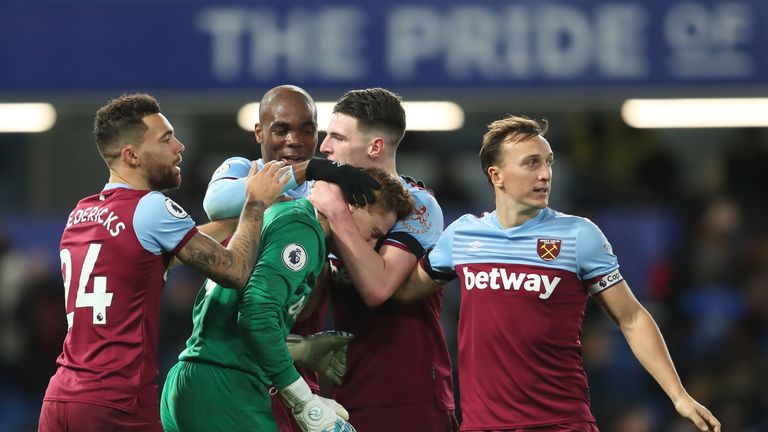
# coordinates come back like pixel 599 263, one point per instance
pixel 163 178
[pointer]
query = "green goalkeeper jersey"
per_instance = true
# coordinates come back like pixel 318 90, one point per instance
pixel 246 329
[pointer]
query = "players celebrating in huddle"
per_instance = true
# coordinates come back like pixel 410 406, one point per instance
pixel 526 273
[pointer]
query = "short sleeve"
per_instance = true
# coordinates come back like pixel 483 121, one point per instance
pixel 438 262
pixel 161 225
pixel 597 265
pixel 420 230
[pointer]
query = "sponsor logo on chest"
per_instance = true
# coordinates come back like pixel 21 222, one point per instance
pixel 503 279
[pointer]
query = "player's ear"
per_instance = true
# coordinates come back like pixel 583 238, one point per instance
pixel 259 132
pixel 129 155
pixel 496 176
pixel 376 147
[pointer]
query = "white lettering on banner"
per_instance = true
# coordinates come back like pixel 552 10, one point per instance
pixel 553 41
pixel 532 282
pixel 622 56
pixel 325 43
pixel 705 40
pixel 413 33
pixel 470 41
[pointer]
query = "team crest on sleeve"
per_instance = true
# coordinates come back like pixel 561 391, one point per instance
pixel 294 256
pixel 174 209
pixel 221 169
pixel 548 249
pixel 418 222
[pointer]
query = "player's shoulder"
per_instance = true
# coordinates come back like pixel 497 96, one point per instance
pixel 566 218
pixel 233 163
pixel 421 196
pixel 574 223
pixel 159 204
pixel 294 210
pixel 472 222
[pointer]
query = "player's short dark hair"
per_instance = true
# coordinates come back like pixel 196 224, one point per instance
pixel 376 110
pixel 392 196
pixel 520 127
pixel 120 120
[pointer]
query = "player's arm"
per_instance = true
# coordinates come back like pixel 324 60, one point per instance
pixel 418 285
pixel 264 299
pixel 266 296
pixel 226 191
pixel 231 266
pixel 226 194
pixel 219 230
pixel 647 343
pixel 376 275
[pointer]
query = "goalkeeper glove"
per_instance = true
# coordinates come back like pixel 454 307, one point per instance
pixel 324 352
pixel 314 413
pixel 356 184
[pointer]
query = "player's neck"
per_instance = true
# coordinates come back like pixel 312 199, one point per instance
pixel 134 181
pixel 384 163
pixel 512 214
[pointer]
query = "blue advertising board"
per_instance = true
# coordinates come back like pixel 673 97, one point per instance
pixel 209 45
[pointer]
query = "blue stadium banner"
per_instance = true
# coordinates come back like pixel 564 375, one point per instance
pixel 473 44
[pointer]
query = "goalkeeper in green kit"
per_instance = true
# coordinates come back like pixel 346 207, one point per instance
pixel 237 356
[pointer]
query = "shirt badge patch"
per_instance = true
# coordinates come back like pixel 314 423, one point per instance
pixel 174 209
pixel 548 249
pixel 418 222
pixel 294 256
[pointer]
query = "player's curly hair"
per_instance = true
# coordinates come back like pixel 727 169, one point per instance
pixel 392 196
pixel 376 110
pixel 520 128
pixel 120 120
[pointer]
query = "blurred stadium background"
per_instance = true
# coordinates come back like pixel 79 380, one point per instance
pixel 681 201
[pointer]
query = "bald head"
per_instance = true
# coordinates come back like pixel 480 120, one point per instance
pixel 281 94
pixel 287 127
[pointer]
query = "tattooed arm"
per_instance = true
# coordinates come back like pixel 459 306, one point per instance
pixel 231 266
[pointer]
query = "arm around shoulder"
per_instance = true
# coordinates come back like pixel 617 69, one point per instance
pixel 418 285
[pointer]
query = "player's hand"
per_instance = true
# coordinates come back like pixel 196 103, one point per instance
pixel 327 199
pixel 324 352
pixel 356 184
pixel 267 184
pixel 312 412
pixel 697 414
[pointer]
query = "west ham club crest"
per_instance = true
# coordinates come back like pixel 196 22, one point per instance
pixel 548 249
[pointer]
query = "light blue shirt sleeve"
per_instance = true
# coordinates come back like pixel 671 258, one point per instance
pixel 424 225
pixel 160 223
pixel 441 256
pixel 594 254
pixel 225 195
